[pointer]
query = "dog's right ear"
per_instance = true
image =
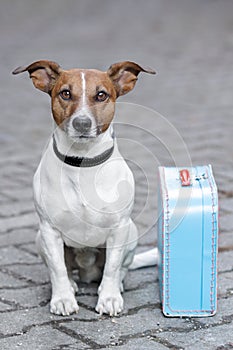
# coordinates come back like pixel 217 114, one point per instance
pixel 44 74
pixel 124 75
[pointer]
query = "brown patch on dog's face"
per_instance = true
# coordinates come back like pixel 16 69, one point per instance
pixel 63 105
pixel 79 92
pixel 101 97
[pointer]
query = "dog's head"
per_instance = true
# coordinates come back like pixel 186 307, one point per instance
pixel 83 100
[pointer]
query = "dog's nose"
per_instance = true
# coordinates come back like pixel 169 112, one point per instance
pixel 82 123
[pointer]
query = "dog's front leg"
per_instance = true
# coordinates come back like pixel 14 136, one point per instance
pixel 110 300
pixel 51 247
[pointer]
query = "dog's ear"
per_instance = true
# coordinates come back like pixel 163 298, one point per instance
pixel 124 75
pixel 43 73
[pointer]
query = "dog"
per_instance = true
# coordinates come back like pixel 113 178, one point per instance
pixel 83 188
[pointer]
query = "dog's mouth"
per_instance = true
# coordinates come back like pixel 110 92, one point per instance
pixel 92 133
pixel 78 135
pixel 85 137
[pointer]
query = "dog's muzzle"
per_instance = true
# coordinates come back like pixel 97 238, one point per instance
pixel 82 124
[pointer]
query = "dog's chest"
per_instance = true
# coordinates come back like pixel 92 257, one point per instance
pixel 85 204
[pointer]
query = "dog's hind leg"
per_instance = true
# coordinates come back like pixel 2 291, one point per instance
pixel 70 265
pixel 89 264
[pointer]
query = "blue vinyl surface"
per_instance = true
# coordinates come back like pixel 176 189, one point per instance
pixel 187 239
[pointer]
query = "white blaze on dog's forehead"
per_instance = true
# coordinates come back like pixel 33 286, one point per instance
pixel 83 88
pixel 83 109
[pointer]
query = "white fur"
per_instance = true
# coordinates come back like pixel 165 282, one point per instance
pixel 85 207
pixel 148 258
pixel 83 89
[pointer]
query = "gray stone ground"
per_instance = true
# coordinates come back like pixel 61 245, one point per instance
pixel 190 44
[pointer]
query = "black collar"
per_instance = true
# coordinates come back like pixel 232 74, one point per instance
pixel 83 162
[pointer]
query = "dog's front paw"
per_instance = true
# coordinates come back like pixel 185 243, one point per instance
pixel 63 305
pixel 109 303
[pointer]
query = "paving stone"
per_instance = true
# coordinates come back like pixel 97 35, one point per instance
pixel 211 338
pixel 8 281
pixel 11 255
pixel 227 205
pixel 136 279
pixel 18 236
pixel 148 237
pixel 145 343
pixel 18 321
pixel 225 241
pixel 147 296
pixel 40 338
pixel 16 208
pixel 22 193
pixel 27 297
pixel 225 283
pixel 12 223
pixel 224 313
pixel 35 273
pixel 128 326
pixel 31 248
pixel 225 262
pixel 226 224
pixel 4 307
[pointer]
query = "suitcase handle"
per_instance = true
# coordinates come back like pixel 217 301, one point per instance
pixel 185 177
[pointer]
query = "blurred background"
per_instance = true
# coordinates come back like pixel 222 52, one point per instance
pixel 188 42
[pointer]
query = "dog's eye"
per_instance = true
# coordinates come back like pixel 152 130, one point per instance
pixel 101 96
pixel 65 94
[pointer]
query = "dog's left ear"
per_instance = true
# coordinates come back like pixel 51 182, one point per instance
pixel 124 75
pixel 43 73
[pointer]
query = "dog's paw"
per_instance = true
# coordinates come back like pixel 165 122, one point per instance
pixel 111 303
pixel 65 305
pixel 74 286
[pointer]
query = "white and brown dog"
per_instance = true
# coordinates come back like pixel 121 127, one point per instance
pixel 83 188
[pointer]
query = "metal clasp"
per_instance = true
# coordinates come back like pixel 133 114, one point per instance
pixel 185 177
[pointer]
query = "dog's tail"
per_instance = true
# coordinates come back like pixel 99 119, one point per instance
pixel 148 258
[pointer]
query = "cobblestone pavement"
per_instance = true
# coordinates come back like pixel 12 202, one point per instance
pixel 190 44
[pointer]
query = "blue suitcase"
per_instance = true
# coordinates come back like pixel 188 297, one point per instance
pixel 187 241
